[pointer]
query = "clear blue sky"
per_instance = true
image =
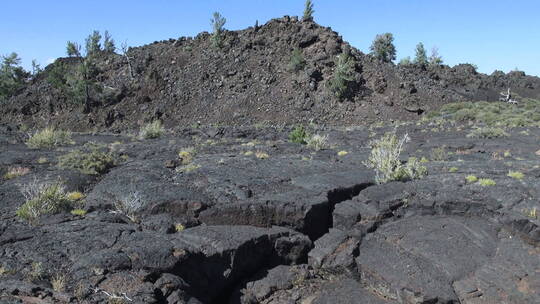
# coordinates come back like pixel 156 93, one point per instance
pixel 495 34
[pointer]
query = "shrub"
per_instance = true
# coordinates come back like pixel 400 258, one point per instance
pixel 317 142
pixel 58 282
pixel 435 58
pixel 405 61
pixel 43 198
pixel 298 135
pixel 130 204
pixel 75 196
pixel 297 62
pixel 438 154
pixel 385 160
pixel 343 75
pixel 261 155
pixel 179 227
pixel 486 182
pixel 308 11
pixel 471 179
pixel 383 47
pixel 152 130
pixel 186 155
pixel 36 272
pixel 453 170
pixel 49 138
pixel 420 57
pixel 516 174
pixel 217 25
pixel 487 132
pixel 16 172
pixel 92 162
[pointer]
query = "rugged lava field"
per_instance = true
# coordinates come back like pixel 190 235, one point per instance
pixel 243 215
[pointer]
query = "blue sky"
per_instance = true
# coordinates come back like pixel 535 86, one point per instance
pixel 496 34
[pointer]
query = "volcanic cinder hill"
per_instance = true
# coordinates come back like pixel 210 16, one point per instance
pixel 249 82
pixel 230 203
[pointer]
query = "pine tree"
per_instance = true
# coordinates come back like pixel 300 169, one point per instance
pixel 217 22
pixel 435 58
pixel 421 56
pixel 108 43
pixel 12 76
pixel 343 75
pixel 383 47
pixel 93 44
pixel 308 11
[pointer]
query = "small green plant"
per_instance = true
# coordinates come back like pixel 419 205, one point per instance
pixel 532 213
pixel 438 154
pixel 43 198
pixel 49 138
pixel 383 47
pixel 217 22
pixel 92 162
pixel 152 130
pixel 179 227
pixel 487 132
pixel 297 61
pixel 486 182
pixel 36 271
pixel 516 174
pixel 317 142
pixel 453 170
pixel 343 76
pixel 471 179
pixel 298 135
pixel 186 155
pixel 435 59
pixel 78 212
pixel 385 159
pixel 308 11
pixel 58 282
pixel 342 153
pixel 261 155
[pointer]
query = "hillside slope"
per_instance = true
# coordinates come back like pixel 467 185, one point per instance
pixel 248 81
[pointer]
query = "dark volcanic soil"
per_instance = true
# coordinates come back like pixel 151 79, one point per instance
pixel 249 82
pixel 292 226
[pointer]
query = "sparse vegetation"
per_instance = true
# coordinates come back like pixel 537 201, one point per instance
pixel 486 182
pixel 308 11
pixel 179 227
pixel 217 22
pixel 43 198
pixel 91 161
pixel 383 47
pixel 49 138
pixel 385 159
pixel 487 132
pixel 14 172
pixel 453 169
pixel 344 72
pixel 493 114
pixel 298 135
pixel 297 61
pixel 75 196
pixel 317 142
pixel 152 130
